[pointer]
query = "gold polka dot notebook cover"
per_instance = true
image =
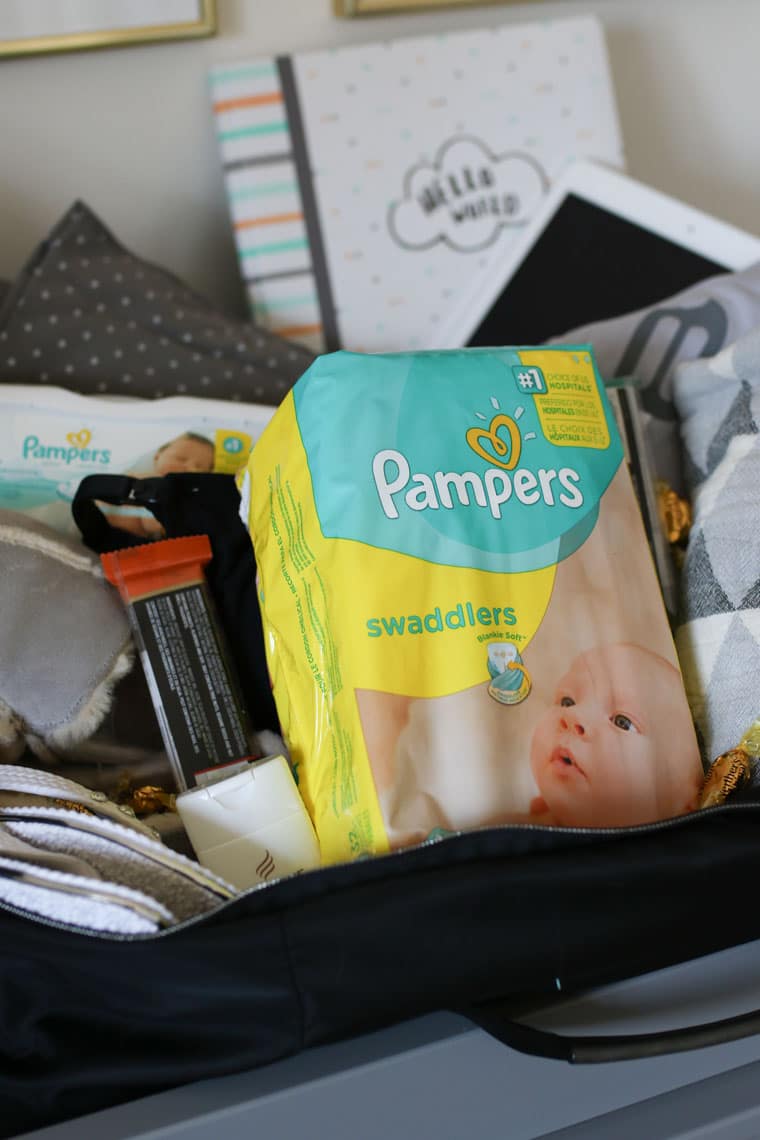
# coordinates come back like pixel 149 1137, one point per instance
pixel 366 182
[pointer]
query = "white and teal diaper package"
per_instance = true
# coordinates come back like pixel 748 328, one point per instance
pixel 51 438
pixel 462 618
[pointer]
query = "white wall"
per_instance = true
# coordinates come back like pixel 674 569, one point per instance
pixel 130 131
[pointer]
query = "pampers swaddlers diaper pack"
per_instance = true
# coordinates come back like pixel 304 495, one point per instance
pixel 462 618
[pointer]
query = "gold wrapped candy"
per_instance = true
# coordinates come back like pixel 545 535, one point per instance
pixel 675 514
pixel 724 776
pixel 144 799
pixel 750 742
pixel 150 799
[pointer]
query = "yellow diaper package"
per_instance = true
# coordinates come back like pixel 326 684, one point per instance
pixel 462 619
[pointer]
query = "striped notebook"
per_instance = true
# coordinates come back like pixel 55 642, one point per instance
pixel 366 183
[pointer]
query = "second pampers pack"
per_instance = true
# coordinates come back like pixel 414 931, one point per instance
pixel 463 622
pixel 50 439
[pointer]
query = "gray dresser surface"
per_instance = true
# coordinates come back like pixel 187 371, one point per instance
pixel 438 1077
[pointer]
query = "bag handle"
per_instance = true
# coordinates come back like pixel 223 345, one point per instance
pixel 592 1050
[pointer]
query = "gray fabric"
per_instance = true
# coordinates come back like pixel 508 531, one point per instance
pixel 13 848
pixel 38 787
pixel 649 343
pixel 64 637
pixel 718 639
pixel 88 315
pixel 121 857
pixel 76 900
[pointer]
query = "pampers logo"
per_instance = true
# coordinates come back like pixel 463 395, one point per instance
pixel 445 471
pixel 77 449
pixel 501 445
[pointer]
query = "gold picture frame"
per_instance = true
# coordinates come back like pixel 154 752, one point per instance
pixel 379 7
pixel 36 27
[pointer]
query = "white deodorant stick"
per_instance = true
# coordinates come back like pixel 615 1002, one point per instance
pixel 252 827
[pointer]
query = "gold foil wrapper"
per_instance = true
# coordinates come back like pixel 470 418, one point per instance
pixel 675 514
pixel 725 775
pixel 150 799
pixel 143 799
pixel 750 742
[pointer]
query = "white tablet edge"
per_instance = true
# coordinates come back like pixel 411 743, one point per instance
pixel 619 194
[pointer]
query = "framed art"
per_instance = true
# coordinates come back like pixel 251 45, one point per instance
pixel 34 27
pixel 378 7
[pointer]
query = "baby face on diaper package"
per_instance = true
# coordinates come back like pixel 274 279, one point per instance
pixel 51 438
pixel 463 622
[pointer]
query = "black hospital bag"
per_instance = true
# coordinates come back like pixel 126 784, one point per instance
pixel 476 923
pixel 485 923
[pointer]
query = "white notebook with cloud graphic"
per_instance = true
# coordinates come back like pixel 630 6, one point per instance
pixel 366 184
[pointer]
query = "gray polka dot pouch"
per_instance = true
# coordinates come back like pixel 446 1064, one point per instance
pixel 88 315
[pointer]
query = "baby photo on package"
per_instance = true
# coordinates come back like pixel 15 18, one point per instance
pixel 464 625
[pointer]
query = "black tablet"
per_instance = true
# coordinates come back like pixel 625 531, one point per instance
pixel 601 245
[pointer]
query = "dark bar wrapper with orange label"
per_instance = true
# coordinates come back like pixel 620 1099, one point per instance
pixel 203 721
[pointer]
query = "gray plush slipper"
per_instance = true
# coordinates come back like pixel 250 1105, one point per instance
pixel 64 640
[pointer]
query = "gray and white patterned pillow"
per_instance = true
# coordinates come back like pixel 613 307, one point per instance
pixel 88 315
pixel 648 344
pixel 718 638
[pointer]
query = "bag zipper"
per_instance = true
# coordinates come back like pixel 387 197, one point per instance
pixel 591 832
pixel 639 829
